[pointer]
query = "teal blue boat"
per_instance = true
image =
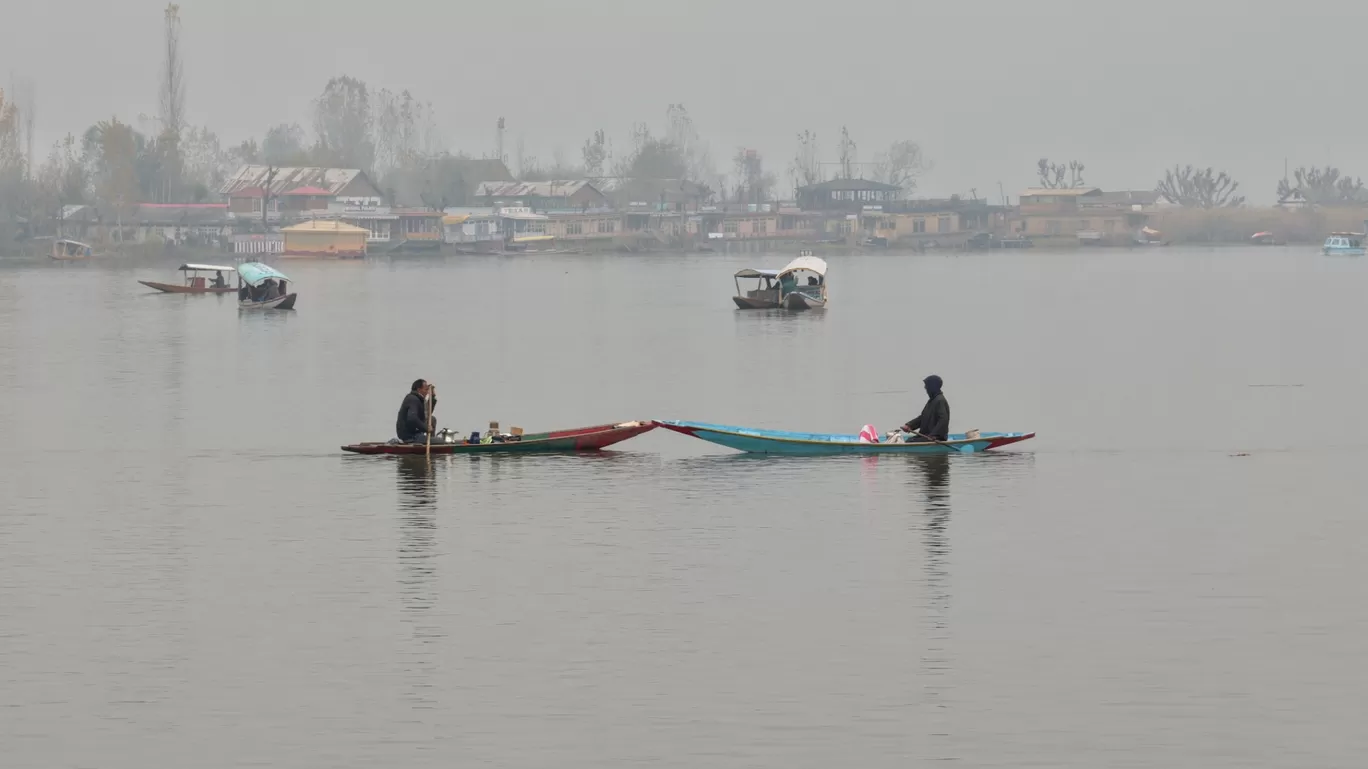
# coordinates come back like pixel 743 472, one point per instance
pixel 756 441
pixel 263 287
pixel 1343 244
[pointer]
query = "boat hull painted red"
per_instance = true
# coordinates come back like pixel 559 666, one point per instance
pixel 176 288
pixel 559 441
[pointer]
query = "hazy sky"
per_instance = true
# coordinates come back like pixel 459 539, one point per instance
pixel 986 87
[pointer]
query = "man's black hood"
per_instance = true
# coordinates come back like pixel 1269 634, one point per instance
pixel 933 385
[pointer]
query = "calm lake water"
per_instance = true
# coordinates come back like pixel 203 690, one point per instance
pixel 1172 575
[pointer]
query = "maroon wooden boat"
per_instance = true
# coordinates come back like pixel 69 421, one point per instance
pixel 559 441
pixel 194 282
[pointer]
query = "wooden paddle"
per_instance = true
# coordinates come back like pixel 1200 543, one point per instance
pixel 964 448
pixel 427 401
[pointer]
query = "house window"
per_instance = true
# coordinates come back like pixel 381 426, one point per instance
pixel 1083 224
pixel 919 225
pixel 1052 227
pixel 574 228
pixel 764 223
pixel 943 224
pixel 607 226
pixel 729 226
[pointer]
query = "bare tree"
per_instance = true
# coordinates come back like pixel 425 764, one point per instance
pixel 247 151
pixel 173 75
pixel 900 166
pixel 849 157
pixel 754 183
pixel 529 168
pixel 806 166
pixel 26 100
pixel 116 184
pixel 1060 176
pixel 206 163
pixel 172 99
pixel 405 131
pixel 342 125
pixel 595 154
pixel 63 174
pixel 1324 187
pixel 283 145
pixel 562 168
pixel 59 181
pixel 1199 188
pixel 12 185
pixel 681 132
pixel 651 158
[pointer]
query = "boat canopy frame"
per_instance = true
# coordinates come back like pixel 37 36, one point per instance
pixel 206 268
pixel 256 273
pixel 806 264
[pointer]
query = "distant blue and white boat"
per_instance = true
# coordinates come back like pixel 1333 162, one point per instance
pixel 1343 244
pixel 756 441
pixel 263 287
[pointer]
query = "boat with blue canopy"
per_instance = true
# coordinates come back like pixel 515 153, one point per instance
pixel 1344 244
pixel 756 441
pixel 263 287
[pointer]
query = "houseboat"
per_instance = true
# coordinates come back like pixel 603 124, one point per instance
pixel 324 239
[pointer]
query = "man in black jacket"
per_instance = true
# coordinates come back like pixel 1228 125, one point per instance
pixel 934 422
pixel 411 426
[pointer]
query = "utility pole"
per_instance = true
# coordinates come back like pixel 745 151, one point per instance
pixel 499 143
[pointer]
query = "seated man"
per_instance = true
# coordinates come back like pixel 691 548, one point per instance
pixel 412 424
pixel 934 422
pixel 219 282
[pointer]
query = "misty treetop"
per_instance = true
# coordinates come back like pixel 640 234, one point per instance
pixel 900 165
pixel 1323 187
pixel 1056 176
pixel 1199 188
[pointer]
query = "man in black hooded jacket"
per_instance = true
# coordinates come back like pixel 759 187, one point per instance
pixel 934 422
pixel 411 425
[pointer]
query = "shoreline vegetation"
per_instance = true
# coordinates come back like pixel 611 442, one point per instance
pixel 168 182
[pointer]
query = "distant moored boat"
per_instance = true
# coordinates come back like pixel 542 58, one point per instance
pixel 1343 244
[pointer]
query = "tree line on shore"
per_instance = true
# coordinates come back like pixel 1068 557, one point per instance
pixel 396 139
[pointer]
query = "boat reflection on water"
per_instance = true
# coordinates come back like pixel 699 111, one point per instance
pixel 417 482
pixel 935 472
pixel 417 589
pixel 930 482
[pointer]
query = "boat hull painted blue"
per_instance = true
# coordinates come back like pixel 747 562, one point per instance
pixel 756 441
